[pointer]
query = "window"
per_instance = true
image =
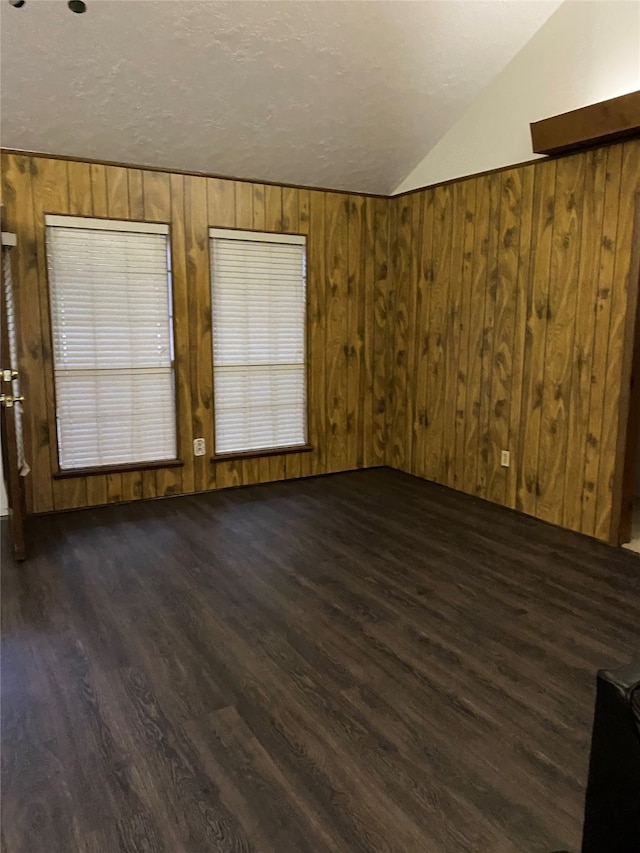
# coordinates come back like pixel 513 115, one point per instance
pixel 111 321
pixel 258 303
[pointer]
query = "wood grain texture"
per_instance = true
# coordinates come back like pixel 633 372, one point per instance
pixel 403 287
pixel 516 438
pixel 476 328
pixel 454 332
pixel 597 124
pixel 355 332
pixel 439 332
pixel 582 356
pixel 609 442
pixel 416 211
pixel 502 355
pixel 169 685
pixel 605 282
pixel 466 308
pixel 347 293
pixel 17 195
pixel 486 468
pixel 443 326
pixel 560 335
pixel 337 300
pixel 520 301
pixel 421 332
pixel 317 332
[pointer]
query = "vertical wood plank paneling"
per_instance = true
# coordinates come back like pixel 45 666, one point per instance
pixel 526 177
pixel 453 333
pixel 412 307
pixel 200 345
pixel 305 463
pixel 629 186
pixel 582 355
pixel 466 308
pixel 418 336
pixel 439 325
pixel 394 206
pixel 476 326
pixel 317 332
pixel 221 202
pixel 597 400
pixel 79 182
pixel 380 331
pixel 486 413
pixel 400 332
pixel 442 326
pixel 537 306
pixel 136 195
pixel 336 331
pixel 502 361
pixel 354 342
pixel 422 410
pixel 289 222
pixel 561 312
pixel 117 188
pixel 258 207
pixel 182 332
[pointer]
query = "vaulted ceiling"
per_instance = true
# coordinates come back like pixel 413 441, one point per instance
pixel 349 95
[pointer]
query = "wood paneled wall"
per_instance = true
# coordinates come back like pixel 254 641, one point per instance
pixel 443 326
pixel 347 292
pixel 507 312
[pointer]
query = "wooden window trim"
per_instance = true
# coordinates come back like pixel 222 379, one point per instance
pixel 66 473
pixel 60 473
pixel 268 451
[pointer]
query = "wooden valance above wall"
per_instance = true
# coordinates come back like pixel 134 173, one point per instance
pixel 598 124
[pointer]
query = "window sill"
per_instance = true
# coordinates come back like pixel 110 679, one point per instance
pixel 259 454
pixel 117 469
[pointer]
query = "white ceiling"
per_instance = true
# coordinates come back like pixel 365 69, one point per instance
pixel 350 95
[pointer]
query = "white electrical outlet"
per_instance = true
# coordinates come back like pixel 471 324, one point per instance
pixel 505 459
pixel 199 447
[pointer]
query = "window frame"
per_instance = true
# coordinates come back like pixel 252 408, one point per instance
pixel 262 235
pixel 109 223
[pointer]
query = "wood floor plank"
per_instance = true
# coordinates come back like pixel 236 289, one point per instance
pixel 247 671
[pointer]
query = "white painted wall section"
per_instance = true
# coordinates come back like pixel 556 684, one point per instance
pixel 586 52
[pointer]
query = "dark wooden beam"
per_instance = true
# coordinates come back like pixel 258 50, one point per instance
pixel 608 121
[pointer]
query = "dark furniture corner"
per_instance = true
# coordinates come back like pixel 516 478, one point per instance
pixel 612 804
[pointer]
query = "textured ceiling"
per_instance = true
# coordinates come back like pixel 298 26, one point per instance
pixel 350 95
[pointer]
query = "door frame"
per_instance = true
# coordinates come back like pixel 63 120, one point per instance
pixel 628 438
pixel 14 482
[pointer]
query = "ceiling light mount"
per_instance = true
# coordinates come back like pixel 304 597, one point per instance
pixel 77 6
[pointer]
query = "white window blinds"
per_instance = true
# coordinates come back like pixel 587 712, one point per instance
pixel 258 304
pixel 109 285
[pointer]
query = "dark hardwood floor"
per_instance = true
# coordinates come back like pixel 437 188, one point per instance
pixel 360 662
